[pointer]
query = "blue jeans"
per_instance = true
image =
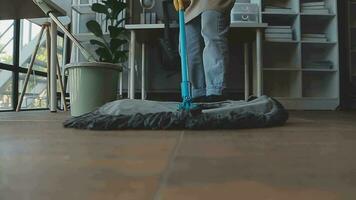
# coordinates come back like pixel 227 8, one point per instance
pixel 208 52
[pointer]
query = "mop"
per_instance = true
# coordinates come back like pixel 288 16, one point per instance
pixel 142 114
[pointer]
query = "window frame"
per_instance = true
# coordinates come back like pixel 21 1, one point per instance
pixel 16 69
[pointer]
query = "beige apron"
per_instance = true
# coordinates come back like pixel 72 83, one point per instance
pixel 198 6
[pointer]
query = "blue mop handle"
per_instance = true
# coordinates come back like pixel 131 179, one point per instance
pixel 185 85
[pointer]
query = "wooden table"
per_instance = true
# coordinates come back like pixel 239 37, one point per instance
pixel 144 33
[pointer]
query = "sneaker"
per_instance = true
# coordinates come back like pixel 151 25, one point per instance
pixel 215 98
pixel 201 99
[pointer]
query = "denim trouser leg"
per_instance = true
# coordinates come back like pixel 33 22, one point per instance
pixel 195 46
pixel 215 28
pixel 208 52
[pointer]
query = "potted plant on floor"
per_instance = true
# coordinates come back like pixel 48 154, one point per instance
pixel 93 84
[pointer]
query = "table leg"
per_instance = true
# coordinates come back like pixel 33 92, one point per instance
pixel 259 62
pixel 132 65
pixel 53 66
pixel 121 85
pixel 64 62
pixel 247 74
pixel 143 73
pixel 48 57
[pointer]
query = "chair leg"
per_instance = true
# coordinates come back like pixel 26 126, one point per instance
pixel 18 108
pixel 61 86
pixel 48 49
pixel 247 69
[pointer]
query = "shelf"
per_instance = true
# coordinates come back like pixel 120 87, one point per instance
pixel 281 56
pixel 318 70
pixel 320 85
pixel 279 20
pixel 283 69
pixel 317 43
pixel 309 103
pixel 282 83
pixel 322 24
pixel 280 5
pixel 280 13
pixel 282 41
pixel 289 16
pixel 305 98
pixel 314 57
pixel 330 15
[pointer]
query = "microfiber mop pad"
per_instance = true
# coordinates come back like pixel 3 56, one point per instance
pixel 137 114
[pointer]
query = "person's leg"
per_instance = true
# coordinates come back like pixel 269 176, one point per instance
pixel 195 45
pixel 215 28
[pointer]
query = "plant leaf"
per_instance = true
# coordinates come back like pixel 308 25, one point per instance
pixel 97 42
pixel 100 8
pixel 109 3
pixel 116 31
pixel 120 56
pixel 104 54
pixel 116 43
pixel 121 21
pixel 94 27
pixel 117 8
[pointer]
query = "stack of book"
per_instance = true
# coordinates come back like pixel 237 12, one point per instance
pixel 315 8
pixel 279 33
pixel 319 64
pixel 313 37
pixel 277 9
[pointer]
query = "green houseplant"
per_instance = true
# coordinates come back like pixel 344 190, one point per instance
pixel 109 50
pixel 93 84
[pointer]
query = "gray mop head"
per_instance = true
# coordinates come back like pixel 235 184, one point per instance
pixel 137 114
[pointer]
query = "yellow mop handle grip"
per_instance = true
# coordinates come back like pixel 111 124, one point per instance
pixel 179 5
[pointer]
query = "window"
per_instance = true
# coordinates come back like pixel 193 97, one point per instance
pixel 6 59
pixel 5 90
pixel 36 92
pixel 29 38
pixel 6 41
pixel 18 40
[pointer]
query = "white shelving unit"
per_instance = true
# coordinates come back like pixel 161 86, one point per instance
pixel 288 74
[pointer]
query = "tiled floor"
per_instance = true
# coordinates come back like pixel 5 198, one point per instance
pixel 311 158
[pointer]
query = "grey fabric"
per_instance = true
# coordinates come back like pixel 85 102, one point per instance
pixel 137 114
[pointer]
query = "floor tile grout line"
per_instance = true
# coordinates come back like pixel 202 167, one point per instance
pixel 164 177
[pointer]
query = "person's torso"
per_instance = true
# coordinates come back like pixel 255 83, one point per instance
pixel 198 6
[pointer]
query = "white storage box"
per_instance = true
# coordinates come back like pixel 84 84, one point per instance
pixel 245 12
